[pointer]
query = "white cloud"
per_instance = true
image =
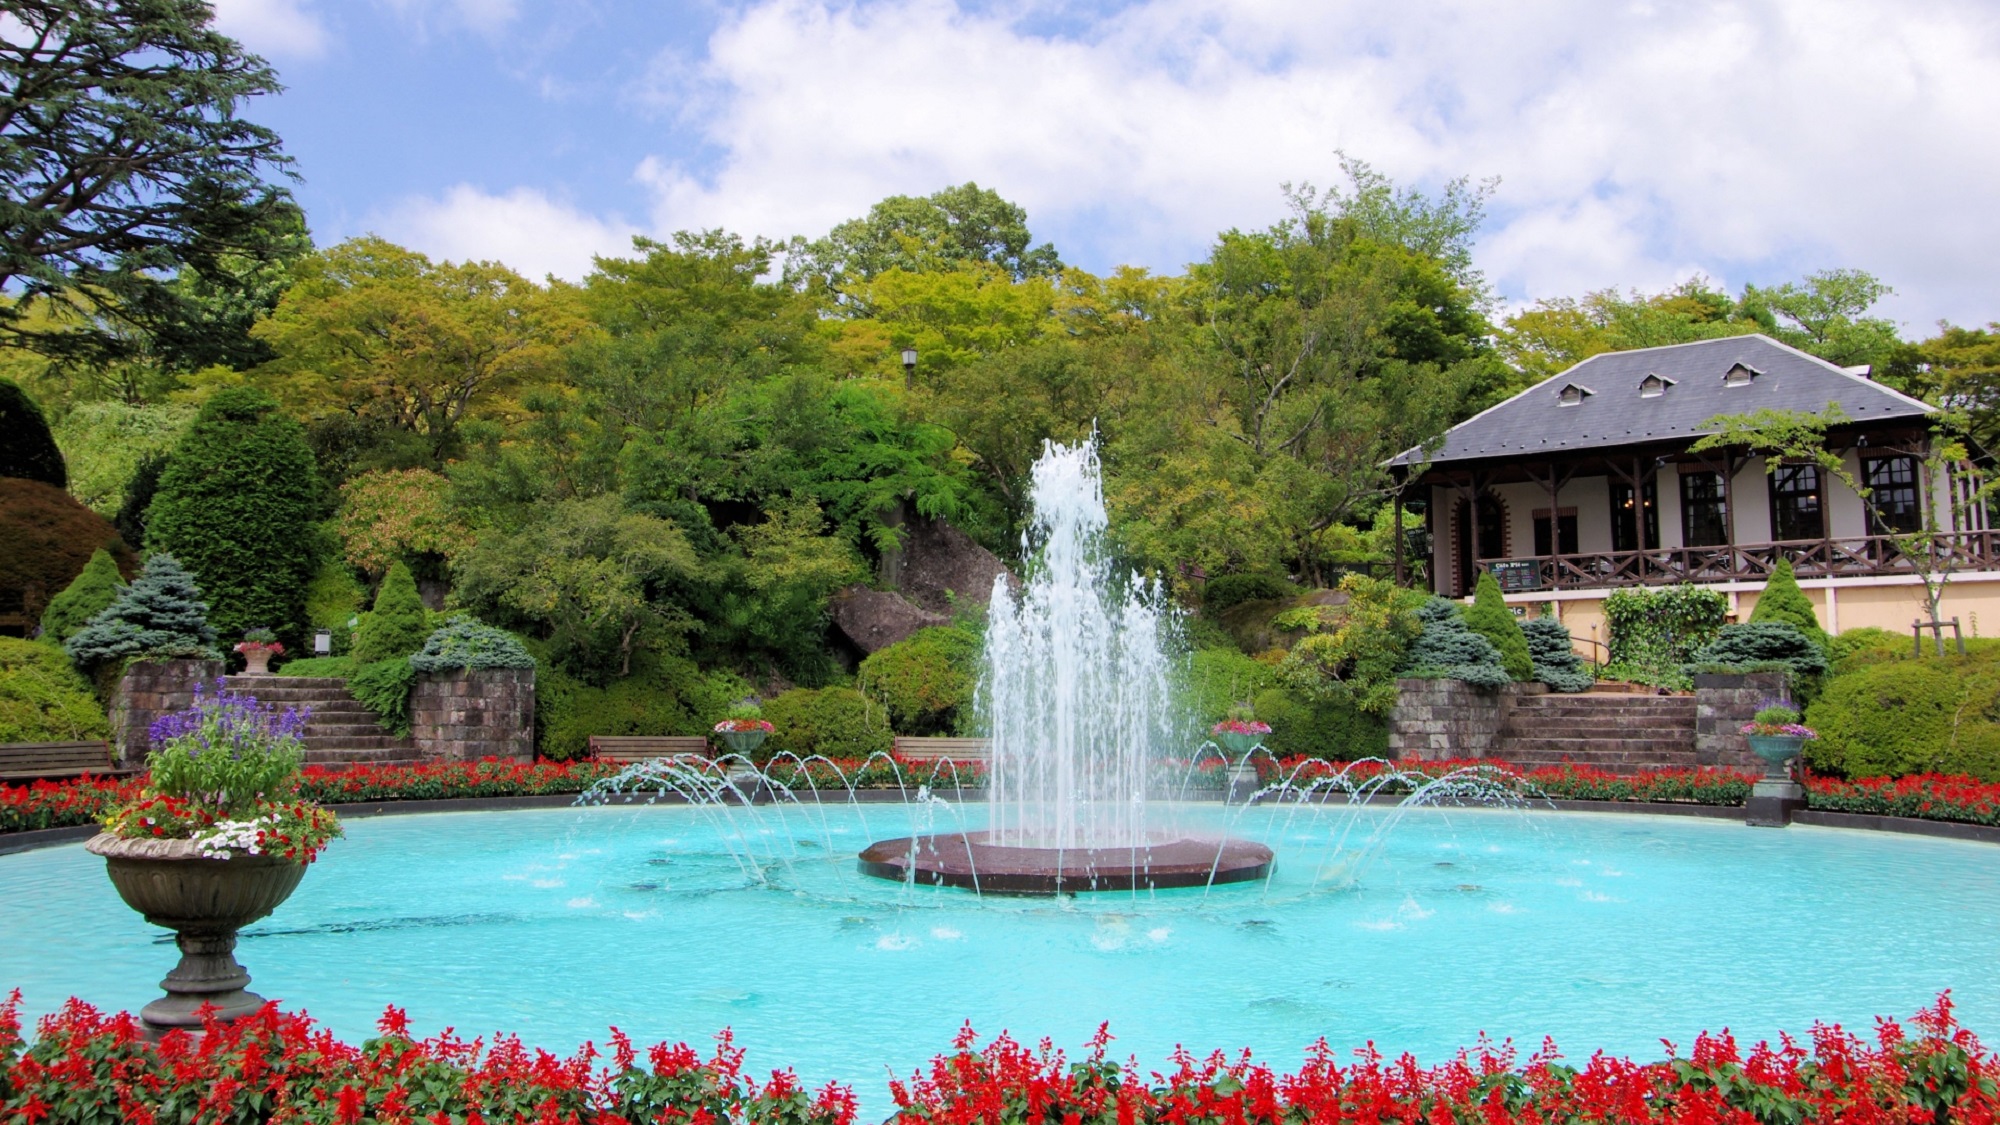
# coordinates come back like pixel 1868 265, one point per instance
pixel 1747 139
pixel 488 17
pixel 524 228
pixel 284 28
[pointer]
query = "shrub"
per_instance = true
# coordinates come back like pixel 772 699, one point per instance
pixel 1751 643
pixel 91 594
pixel 1332 729
pixel 925 682
pixel 466 644
pixel 1218 679
pixel 1662 628
pixel 338 667
pixel 236 505
pixel 1446 649
pixel 664 695
pixel 398 626
pixel 1782 601
pixel 1490 618
pixel 160 616
pixel 1353 649
pixel 42 699
pixel 46 539
pixel 1938 714
pixel 1859 648
pixel 106 442
pixel 1554 656
pixel 1235 589
pixel 333 600
pixel 384 687
pixel 27 448
pixel 838 722
pixel 140 488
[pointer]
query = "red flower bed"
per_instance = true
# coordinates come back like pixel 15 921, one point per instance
pixel 88 1067
pixel 1931 796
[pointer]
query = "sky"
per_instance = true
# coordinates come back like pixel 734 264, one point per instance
pixel 1636 143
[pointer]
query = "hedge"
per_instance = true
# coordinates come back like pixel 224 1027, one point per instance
pixel 48 539
pixel 27 449
pixel 926 682
pixel 42 699
pixel 838 722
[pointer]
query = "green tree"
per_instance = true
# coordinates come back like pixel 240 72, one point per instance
pixel 943 230
pixel 1490 618
pixel 123 159
pixel 1784 602
pixel 1826 314
pixel 1555 334
pixel 160 616
pixel 91 594
pixel 106 442
pixel 398 625
pixel 1959 369
pixel 27 448
pixel 237 505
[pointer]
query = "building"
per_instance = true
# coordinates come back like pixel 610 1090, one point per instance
pixel 1584 484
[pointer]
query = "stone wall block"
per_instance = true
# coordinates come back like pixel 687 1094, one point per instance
pixel 148 690
pixel 1723 703
pixel 469 715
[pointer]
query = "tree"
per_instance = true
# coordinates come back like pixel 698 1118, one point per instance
pixel 1782 601
pixel 1490 618
pixel 27 448
pixel 1958 370
pixel 398 625
pixel 1558 333
pixel 91 594
pixel 237 504
pixel 949 228
pixel 160 616
pixel 399 515
pixel 1440 227
pixel 123 160
pixel 1826 315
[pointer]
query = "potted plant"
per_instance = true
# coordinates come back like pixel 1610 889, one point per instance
pixel 1776 735
pixel 258 646
pixel 214 842
pixel 1240 733
pixel 745 729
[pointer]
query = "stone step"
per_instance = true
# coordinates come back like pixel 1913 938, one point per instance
pixel 380 740
pixel 1619 766
pixel 1592 746
pixel 366 727
pixel 316 683
pixel 341 756
pixel 1604 702
pixel 1683 732
pixel 1641 711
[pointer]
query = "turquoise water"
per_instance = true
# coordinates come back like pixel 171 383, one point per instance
pixel 1602 931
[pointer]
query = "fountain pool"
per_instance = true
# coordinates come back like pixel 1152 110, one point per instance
pixel 1602 930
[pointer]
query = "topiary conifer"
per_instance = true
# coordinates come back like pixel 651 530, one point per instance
pixel 1782 601
pixel 27 448
pixel 398 625
pixel 1490 618
pixel 159 616
pixel 91 594
pixel 1554 654
pixel 236 505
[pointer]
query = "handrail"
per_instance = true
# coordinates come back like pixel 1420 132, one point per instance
pixel 1839 557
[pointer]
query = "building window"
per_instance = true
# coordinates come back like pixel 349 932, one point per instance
pixel 1653 386
pixel 1572 395
pixel 1633 515
pixel 1563 541
pixel 1893 506
pixel 1739 376
pixel 1704 510
pixel 1796 512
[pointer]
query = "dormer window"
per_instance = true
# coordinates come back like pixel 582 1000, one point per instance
pixel 1653 386
pixel 1572 395
pixel 1739 375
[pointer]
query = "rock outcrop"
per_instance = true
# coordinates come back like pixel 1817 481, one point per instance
pixel 942 564
pixel 876 619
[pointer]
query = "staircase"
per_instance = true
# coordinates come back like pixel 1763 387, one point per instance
pixel 1610 730
pixel 340 731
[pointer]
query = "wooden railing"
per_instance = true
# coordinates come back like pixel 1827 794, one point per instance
pixel 1853 556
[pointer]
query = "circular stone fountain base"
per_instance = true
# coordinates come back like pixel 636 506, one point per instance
pixel 968 859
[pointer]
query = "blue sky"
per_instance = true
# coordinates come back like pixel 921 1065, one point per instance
pixel 1637 143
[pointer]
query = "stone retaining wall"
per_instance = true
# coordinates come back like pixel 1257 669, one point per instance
pixel 466 716
pixel 1450 718
pixel 1722 704
pixel 147 690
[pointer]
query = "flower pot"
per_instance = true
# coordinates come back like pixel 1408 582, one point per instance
pixel 1238 743
pixel 1776 750
pixel 256 662
pixel 204 901
pixel 744 742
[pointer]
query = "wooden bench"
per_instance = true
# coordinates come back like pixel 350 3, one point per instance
pixel 32 761
pixel 937 749
pixel 624 749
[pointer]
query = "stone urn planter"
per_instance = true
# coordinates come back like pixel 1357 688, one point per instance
pixel 743 742
pixel 256 661
pixel 1776 750
pixel 1775 796
pixel 205 902
pixel 1237 743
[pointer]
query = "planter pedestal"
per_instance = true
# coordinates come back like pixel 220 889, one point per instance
pixel 204 901
pixel 1243 783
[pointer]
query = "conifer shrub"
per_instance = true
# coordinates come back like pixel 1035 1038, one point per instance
pixel 465 644
pixel 1783 601
pixel 1856 649
pixel 398 625
pixel 160 616
pixel 46 539
pixel 1753 645
pixel 925 682
pixel 1446 649
pixel 1490 618
pixel 140 488
pixel 384 687
pixel 236 504
pixel 42 699
pixel 1554 656
pixel 91 594
pixel 28 450
pixel 835 721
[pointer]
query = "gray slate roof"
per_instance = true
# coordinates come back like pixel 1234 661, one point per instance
pixel 1613 413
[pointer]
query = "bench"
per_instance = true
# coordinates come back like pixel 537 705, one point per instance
pixel 937 749
pixel 33 761
pixel 624 749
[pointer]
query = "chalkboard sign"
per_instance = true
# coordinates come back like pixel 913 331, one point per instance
pixel 1522 575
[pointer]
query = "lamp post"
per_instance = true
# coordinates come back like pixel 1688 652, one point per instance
pixel 909 369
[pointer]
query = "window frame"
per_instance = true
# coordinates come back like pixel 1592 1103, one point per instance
pixel 1869 466
pixel 1783 499
pixel 1719 502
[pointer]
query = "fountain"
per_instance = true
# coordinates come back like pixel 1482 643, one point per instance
pixel 1077 689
